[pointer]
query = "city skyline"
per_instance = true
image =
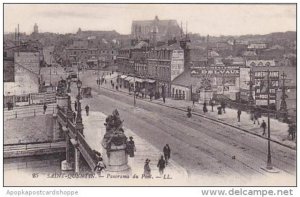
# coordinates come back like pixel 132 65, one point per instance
pixel 201 18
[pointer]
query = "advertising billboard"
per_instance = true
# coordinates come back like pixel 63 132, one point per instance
pixel 216 71
pixel 262 86
pixel 177 63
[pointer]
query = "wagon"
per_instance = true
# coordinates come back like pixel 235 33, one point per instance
pixel 86 92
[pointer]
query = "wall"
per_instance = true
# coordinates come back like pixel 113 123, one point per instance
pixel 26 82
pixel 29 60
pixel 29 129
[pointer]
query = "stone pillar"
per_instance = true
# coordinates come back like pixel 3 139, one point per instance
pixel 68 149
pixel 117 159
pixel 62 101
pixel 77 160
pixel 56 131
pixel 67 164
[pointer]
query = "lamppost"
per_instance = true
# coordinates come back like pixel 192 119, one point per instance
pixel 283 106
pixel 69 84
pixel 79 125
pixel 251 100
pixel 134 102
pixel 269 161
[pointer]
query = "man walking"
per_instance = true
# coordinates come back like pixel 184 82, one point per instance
pixel 211 103
pixel 223 105
pixel 263 126
pixel 239 112
pixel 204 107
pixel 167 153
pixel 161 165
pixel 256 116
pixel 45 108
pixel 74 116
pixel 87 109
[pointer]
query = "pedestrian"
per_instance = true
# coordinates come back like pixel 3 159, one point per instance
pixel 211 103
pixel 130 147
pixel 74 116
pixel 204 107
pixel 189 114
pixel 151 95
pixel 256 116
pixel 75 105
pixel 100 165
pixel 161 165
pixel 147 169
pixel 263 126
pixel 164 99
pixel 223 105
pixel 87 109
pixel 219 110
pixel 239 112
pixel 167 153
pixel 292 130
pixel 45 108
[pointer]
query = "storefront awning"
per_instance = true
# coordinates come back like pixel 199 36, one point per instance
pixel 139 80
pixel 150 81
pixel 123 76
pixel 129 78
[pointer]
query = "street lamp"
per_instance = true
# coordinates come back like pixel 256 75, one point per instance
pixel 269 159
pixel 283 107
pixel 251 100
pixel 69 84
pixel 79 84
pixel 79 125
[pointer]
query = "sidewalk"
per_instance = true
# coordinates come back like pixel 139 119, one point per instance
pixel 94 131
pixel 279 130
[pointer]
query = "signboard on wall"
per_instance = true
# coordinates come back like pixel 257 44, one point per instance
pixel 177 63
pixel 262 86
pixel 245 78
pixel 216 71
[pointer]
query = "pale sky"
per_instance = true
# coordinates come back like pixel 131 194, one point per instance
pixel 203 19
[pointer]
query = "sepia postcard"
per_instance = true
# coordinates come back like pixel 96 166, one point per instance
pixel 149 95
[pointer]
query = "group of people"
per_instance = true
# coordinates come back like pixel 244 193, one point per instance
pixel 162 162
pixel 130 150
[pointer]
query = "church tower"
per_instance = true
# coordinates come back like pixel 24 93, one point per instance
pixel 35 29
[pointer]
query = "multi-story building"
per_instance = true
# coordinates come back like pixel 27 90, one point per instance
pixel 165 63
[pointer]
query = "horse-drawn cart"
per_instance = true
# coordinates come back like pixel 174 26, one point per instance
pixel 86 92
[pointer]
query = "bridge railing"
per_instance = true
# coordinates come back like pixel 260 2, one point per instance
pixel 29 112
pixel 61 114
pixel 85 145
pixel 33 145
pixel 74 132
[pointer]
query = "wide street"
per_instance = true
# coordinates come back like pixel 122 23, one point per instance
pixel 206 149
